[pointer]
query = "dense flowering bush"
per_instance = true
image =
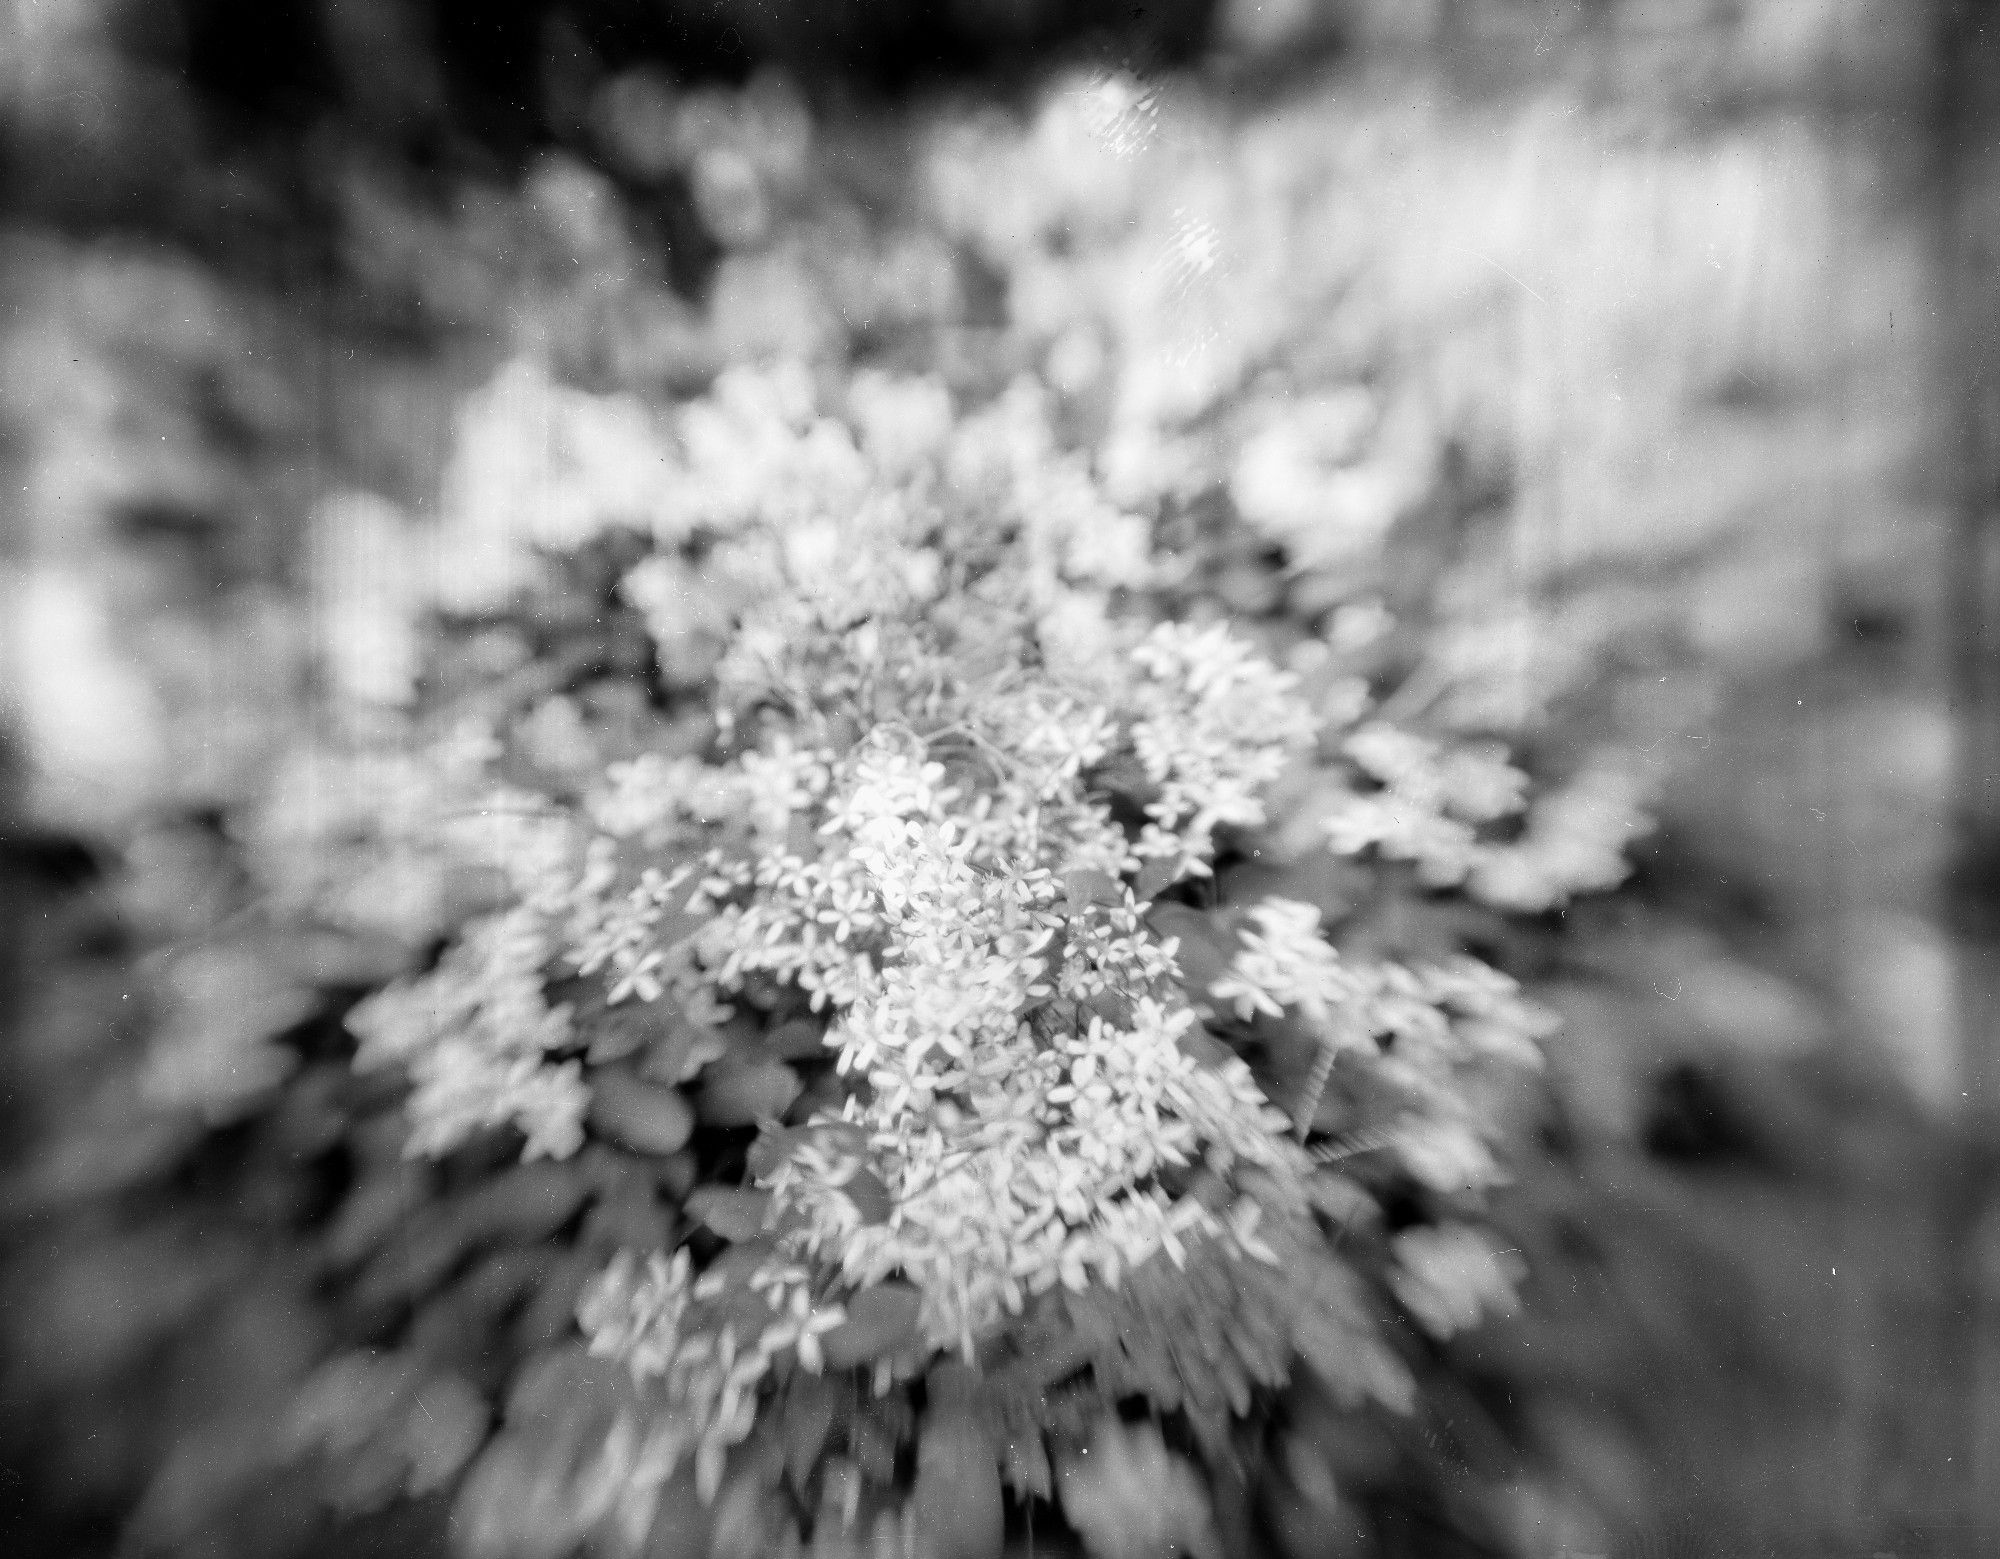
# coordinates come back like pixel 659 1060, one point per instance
pixel 1282 338
pixel 1008 970
pixel 912 940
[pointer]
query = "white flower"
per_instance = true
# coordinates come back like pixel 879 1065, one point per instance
pixel 902 422
pixel 462 1089
pixel 1286 963
pixel 1428 807
pixel 1298 481
pixel 1575 842
pixel 1218 724
pixel 540 464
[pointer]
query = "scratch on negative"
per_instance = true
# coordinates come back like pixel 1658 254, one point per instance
pixel 1530 291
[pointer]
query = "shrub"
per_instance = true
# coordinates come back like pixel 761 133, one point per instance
pixel 885 953
pixel 941 997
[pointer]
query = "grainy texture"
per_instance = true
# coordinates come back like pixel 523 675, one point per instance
pixel 1701 286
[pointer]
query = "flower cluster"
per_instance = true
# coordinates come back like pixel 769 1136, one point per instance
pixel 1424 804
pixel 474 1035
pixel 1218 726
pixel 1413 1031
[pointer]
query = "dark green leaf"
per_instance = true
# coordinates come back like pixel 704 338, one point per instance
pixel 744 1094
pixel 879 1321
pixel 957 1495
pixel 802 1039
pixel 1206 949
pixel 811 1402
pixel 1091 886
pixel 645 1117
pixel 732 1212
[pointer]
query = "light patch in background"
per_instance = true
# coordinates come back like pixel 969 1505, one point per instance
pixel 1120 111
pixel 1900 980
pixel 367 598
pixel 1195 249
pixel 88 719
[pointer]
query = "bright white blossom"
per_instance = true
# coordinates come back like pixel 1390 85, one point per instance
pixel 1286 963
pixel 1218 725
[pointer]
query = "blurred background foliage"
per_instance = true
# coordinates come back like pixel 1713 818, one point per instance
pixel 1674 277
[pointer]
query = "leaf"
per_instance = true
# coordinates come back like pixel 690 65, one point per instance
pixel 746 1093
pixel 516 1504
pixel 1126 776
pixel 523 1205
pixel 1154 878
pixel 1336 1197
pixel 520 1206
pixel 346 1401
pixel 384 1203
pixel 620 1031
pixel 1129 1497
pixel 676 1174
pixel 1027 1466
pixel 1449 1277
pixel 1112 1007
pixel 1445 1155
pixel 957 1496
pixel 750 1523
pixel 446 1423
pixel 710 1458
pixel 631 1220
pixel 801 1039
pixel 879 1321
pixel 1331 884
pixel 1351 1360
pixel 331 958
pixel 734 1213
pixel 573 1425
pixel 566 1387
pixel 1091 886
pixel 872 1440
pixel 1305 1509
pixel 870 1196
pixel 683 1526
pixel 681 1052
pixel 502 1279
pixel 391 1426
pixel 213 1052
pixel 1205 949
pixel 464 1324
pixel 551 1312
pixel 196 1500
pixel 1198 1042
pixel 642 1116
pixel 810 1406
pixel 773 1146
pixel 734 1267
